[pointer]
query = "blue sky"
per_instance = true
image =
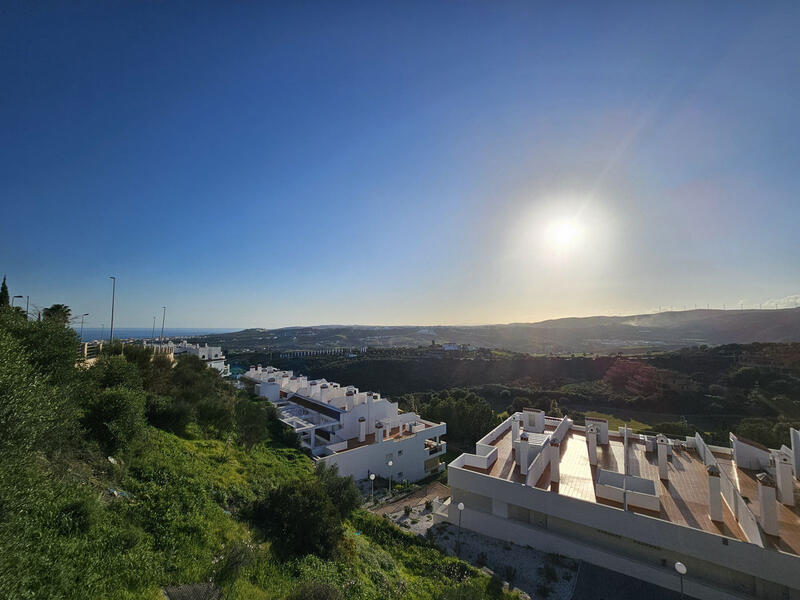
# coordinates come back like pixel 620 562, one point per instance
pixel 256 164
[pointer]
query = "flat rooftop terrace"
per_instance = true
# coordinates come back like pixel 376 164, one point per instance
pixel 788 516
pixel 684 498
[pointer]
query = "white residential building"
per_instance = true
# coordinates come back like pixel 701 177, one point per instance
pixel 638 504
pixel 361 432
pixel 212 355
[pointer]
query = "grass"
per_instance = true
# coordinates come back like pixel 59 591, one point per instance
pixel 615 422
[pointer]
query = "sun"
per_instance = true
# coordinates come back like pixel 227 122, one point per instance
pixel 564 234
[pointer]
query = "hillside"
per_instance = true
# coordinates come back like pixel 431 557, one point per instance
pixel 134 474
pixel 633 333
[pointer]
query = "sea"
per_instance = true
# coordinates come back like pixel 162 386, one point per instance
pixel 124 333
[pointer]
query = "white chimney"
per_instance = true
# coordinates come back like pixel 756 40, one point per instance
pixel 514 428
pixel 783 474
pixel 714 493
pixel 555 461
pixel 663 470
pixel 768 505
pixel 379 432
pixel 591 440
pixel 362 429
pixel 522 460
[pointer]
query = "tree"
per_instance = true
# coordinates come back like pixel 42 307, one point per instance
pixel 342 491
pixel 5 298
pixel 31 412
pixel 253 421
pixel 59 313
pixel 116 371
pixel 300 519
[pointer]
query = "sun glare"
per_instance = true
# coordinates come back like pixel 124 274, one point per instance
pixel 563 234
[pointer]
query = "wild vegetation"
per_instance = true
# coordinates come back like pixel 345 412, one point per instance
pixel 750 389
pixel 133 473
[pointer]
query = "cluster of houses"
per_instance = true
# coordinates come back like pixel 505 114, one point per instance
pixel 361 432
pixel 645 505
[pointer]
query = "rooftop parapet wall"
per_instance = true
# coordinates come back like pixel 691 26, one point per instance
pixel 735 554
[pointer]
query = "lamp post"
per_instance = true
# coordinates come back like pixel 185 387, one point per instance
pixel 372 488
pixel 113 302
pixel 82 316
pixel 13 298
pixel 27 305
pixel 153 333
pixel 390 463
pixel 163 318
pixel 458 535
pixel 681 569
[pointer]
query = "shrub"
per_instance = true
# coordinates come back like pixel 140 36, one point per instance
pixel 407 510
pixel 429 505
pixel 116 418
pixel 300 518
pixel 116 371
pixel 315 590
pixel 342 491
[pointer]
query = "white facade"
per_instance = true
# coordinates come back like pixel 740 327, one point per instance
pixel 636 504
pixel 212 355
pixel 361 432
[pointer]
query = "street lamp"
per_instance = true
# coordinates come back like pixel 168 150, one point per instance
pixel 82 316
pixel 390 463
pixel 113 301
pixel 681 569
pixel 13 298
pixel 163 318
pixel 372 488
pixel 458 535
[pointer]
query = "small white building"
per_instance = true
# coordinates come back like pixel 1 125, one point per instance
pixel 361 432
pixel 638 504
pixel 212 355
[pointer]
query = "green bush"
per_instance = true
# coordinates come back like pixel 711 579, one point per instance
pixel 116 418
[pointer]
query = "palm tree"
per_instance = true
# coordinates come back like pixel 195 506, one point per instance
pixel 58 312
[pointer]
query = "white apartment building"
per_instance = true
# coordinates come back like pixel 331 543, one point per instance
pixel 361 432
pixel 212 355
pixel 638 504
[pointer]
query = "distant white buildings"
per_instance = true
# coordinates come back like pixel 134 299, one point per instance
pixel 361 432
pixel 638 504
pixel 212 355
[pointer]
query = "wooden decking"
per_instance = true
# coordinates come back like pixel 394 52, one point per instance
pixel 788 516
pixel 369 438
pixel 684 498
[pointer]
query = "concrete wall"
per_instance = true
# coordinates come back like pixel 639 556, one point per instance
pixel 687 542
pixel 408 454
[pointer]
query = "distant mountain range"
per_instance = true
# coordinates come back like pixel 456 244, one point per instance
pixel 634 333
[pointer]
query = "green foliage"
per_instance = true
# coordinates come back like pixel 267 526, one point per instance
pixel 285 516
pixel 315 590
pixel 5 297
pixel 116 371
pixel 469 417
pixel 116 418
pixel 32 413
pixel 60 313
pixel 342 491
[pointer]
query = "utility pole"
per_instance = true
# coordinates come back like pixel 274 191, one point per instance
pixel 82 316
pixel 163 318
pixel 113 302
pixel 27 305
pixel 153 334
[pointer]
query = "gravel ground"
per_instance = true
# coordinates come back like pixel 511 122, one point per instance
pixel 523 567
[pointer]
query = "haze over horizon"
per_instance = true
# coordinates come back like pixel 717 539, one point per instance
pixel 250 165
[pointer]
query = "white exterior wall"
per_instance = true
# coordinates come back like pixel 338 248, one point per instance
pixel 408 455
pixel 592 520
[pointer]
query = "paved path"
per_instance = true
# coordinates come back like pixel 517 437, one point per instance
pixel 420 496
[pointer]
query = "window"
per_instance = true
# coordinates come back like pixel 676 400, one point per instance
pixel 399 453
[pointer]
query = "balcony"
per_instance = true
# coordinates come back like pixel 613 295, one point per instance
pixel 435 449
